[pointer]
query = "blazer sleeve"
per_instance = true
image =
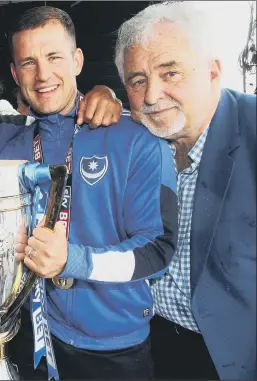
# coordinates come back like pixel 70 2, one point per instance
pixel 151 218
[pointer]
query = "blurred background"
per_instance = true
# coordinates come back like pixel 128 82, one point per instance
pixel 96 24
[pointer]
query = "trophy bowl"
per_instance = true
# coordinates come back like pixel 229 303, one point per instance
pixel 20 192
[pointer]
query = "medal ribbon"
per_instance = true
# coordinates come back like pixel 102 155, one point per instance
pixel 42 338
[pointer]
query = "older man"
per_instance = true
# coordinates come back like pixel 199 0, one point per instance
pixel 206 301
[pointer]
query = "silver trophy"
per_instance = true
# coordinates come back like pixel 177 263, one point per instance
pixel 20 183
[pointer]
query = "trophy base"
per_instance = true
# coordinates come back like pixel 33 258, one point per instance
pixel 8 371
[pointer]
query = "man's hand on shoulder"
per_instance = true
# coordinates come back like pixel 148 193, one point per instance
pixel 99 107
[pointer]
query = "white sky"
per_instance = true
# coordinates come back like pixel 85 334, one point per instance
pixel 231 20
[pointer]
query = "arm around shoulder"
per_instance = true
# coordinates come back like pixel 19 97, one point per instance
pixel 150 216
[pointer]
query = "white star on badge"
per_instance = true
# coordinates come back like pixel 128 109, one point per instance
pixel 93 165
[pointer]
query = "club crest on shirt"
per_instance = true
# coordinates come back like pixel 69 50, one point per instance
pixel 93 169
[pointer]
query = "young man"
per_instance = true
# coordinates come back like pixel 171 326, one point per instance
pixel 123 221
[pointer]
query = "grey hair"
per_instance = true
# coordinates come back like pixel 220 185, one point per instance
pixel 193 21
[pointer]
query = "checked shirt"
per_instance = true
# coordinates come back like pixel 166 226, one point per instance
pixel 172 292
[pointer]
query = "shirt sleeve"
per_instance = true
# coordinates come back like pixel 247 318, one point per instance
pixel 150 214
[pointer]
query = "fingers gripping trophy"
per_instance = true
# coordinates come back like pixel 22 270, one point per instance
pixel 20 191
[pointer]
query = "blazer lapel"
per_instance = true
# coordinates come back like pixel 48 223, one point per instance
pixel 215 172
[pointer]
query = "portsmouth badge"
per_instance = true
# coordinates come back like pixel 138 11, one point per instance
pixel 93 169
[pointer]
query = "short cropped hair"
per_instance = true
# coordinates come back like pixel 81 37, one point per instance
pixel 38 17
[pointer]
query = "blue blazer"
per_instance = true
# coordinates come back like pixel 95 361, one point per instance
pixel 223 240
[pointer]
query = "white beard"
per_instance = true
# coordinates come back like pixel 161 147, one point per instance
pixel 165 131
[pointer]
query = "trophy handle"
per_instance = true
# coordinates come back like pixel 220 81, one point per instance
pixel 59 179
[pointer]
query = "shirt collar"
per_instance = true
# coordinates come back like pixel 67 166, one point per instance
pixel 196 151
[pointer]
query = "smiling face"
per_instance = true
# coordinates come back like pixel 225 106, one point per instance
pixel 169 84
pixel 45 67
